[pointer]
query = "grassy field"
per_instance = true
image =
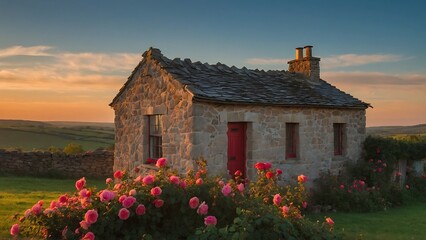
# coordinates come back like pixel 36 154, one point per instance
pixel 398 131
pixel 29 135
pixel 19 193
pixel 402 223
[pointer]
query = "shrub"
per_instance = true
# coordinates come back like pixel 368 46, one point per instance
pixel 172 206
pixel 73 148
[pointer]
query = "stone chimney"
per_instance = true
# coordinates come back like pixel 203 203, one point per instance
pixel 307 65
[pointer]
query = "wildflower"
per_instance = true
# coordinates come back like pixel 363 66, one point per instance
pixel 158 203
pixel 148 179
pixel 161 162
pixel 260 166
pixel 118 174
pixel 278 172
pixel 155 191
pixel 123 214
pixel 128 201
pixel 91 216
pixel 14 230
pixel 210 221
pixel 226 190
pixel 140 209
pixel 203 209
pixel 174 179
pixel 329 221
pixel 194 202
pixel 79 184
pixel 277 199
pixel 89 236
pixel 269 175
pixel 302 178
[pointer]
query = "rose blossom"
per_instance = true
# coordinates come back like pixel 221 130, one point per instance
pixel 121 198
pixel 40 202
pixel 302 178
pixel 285 210
pixel 182 184
pixel 118 174
pixel 36 209
pixel 174 179
pixel 267 165
pixel 226 190
pixel 14 230
pixel 91 216
pixel 108 180
pixel 128 202
pixel 260 166
pixel 63 198
pixel 277 199
pixel 140 209
pixel 148 179
pixel 329 221
pixel 203 209
pixel 158 203
pixel 278 171
pixel 194 202
pixel 79 184
pixel 156 191
pixel 269 175
pixel 123 214
pixel 132 192
pixel 210 221
pixel 240 187
pixel 161 162
pixel 238 173
pixel 27 213
pixel 342 186
pixel 107 195
pixel 304 204
pixel 89 236
pixel 199 181
pixel 84 224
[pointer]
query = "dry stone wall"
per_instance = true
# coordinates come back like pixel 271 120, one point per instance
pixel 266 126
pixel 96 164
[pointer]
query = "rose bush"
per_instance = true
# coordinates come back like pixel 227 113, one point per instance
pixel 166 204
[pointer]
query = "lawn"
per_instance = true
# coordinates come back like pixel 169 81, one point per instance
pixel 19 193
pixel 407 222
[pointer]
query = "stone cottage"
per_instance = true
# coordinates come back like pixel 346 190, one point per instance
pixel 234 117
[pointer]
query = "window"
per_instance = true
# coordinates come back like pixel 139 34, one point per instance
pixel 155 139
pixel 339 134
pixel 292 139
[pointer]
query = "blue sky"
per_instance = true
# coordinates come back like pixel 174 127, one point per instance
pixel 75 55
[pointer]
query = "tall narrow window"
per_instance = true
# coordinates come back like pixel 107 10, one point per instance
pixel 155 139
pixel 339 134
pixel 292 140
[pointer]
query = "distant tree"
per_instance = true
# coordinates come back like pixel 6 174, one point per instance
pixel 73 148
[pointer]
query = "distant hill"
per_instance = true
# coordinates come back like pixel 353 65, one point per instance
pixel 29 135
pixel 388 131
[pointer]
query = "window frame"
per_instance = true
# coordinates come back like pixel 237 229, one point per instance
pixel 155 138
pixel 292 140
pixel 339 140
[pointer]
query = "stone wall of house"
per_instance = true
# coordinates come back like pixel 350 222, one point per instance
pixel 96 164
pixel 153 91
pixel 266 126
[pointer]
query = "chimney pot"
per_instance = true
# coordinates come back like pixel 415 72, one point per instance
pixel 308 51
pixel 299 53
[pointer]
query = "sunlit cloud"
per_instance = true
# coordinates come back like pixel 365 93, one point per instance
pixel 349 60
pixel 39 50
pixel 375 78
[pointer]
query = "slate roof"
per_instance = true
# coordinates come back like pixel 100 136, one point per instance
pixel 223 84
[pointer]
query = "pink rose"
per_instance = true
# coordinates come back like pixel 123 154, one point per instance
pixel 63 198
pixel 89 236
pixel 140 209
pixel 194 202
pixel 304 204
pixel 174 179
pixel 240 187
pixel 158 203
pixel 203 209
pixel 285 210
pixel 226 190
pixel 182 184
pixel 269 175
pixel 148 179
pixel 132 192
pixel 14 230
pixel 118 174
pixel 107 195
pixel 84 193
pixel 260 166
pixel 210 221
pixel 121 198
pixel 138 179
pixel 36 209
pixel 277 199
pixel 40 202
pixel 123 214
pixel 199 181
pixel 156 191
pixel 64 232
pixel 84 224
pixel 329 221
pixel 128 201
pixel 302 178
pixel 79 184
pixel 278 172
pixel 379 170
pixel 91 216
pixel 117 186
pixel 267 165
pixel 27 213
pixel 108 180
pixel 161 162
pixel 238 173
pixel 342 186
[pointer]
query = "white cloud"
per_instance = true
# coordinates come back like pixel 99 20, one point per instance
pixel 39 50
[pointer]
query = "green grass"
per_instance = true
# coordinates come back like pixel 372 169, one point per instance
pixel 19 193
pixel 402 223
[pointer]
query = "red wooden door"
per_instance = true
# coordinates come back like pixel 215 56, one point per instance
pixel 237 148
